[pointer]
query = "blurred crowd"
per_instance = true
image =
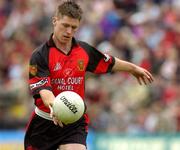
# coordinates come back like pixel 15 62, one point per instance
pixel 145 32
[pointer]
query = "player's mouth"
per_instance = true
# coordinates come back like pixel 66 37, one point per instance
pixel 67 37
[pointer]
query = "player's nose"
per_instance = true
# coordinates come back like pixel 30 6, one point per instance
pixel 69 30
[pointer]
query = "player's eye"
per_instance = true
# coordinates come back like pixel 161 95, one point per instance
pixel 74 27
pixel 66 25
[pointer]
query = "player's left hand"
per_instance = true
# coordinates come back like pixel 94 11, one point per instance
pixel 142 75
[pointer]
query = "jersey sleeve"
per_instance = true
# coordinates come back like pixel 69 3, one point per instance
pixel 39 72
pixel 98 62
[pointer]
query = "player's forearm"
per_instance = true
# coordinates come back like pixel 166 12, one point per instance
pixel 121 65
pixel 47 97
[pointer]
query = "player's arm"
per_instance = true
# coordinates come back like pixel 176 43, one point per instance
pixel 141 74
pixel 39 80
pixel 47 97
pixel 102 63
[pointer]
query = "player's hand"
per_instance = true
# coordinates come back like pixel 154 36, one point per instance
pixel 55 120
pixel 142 75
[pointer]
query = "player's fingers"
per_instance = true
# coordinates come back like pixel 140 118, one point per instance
pixel 139 81
pixel 51 111
pixel 149 76
pixel 150 80
pixel 55 122
pixel 143 79
pixel 60 123
pixel 53 116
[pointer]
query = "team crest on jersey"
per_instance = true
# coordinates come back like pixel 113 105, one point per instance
pixel 33 69
pixel 81 65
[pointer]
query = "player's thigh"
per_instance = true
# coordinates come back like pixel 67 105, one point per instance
pixel 72 147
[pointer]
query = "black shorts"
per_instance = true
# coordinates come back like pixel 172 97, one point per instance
pixel 42 134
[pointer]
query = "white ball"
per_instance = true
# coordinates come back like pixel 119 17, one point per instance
pixel 68 107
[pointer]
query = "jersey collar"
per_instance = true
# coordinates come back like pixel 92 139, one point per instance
pixel 51 43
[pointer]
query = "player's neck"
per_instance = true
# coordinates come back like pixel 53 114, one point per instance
pixel 64 47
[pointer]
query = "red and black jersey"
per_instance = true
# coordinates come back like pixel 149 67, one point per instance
pixel 51 69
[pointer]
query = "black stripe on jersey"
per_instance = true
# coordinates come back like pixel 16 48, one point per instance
pixel 40 57
pixel 94 55
pixel 36 96
pixel 111 66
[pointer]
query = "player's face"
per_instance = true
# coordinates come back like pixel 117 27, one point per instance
pixel 65 28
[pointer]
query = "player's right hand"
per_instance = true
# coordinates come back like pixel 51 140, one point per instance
pixel 55 120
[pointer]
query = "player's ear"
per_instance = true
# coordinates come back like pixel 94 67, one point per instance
pixel 54 19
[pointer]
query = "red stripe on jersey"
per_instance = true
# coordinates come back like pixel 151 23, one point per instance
pixel 39 103
pixel 102 66
pixel 32 115
pixel 87 121
pixel 31 148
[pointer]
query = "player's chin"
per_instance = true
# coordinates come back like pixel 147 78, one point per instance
pixel 66 39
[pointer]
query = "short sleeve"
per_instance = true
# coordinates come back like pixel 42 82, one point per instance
pixel 98 62
pixel 39 71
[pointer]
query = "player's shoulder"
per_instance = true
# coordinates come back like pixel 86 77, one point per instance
pixel 41 50
pixel 83 44
pixel 86 46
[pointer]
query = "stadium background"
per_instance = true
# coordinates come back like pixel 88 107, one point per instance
pixel 124 115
